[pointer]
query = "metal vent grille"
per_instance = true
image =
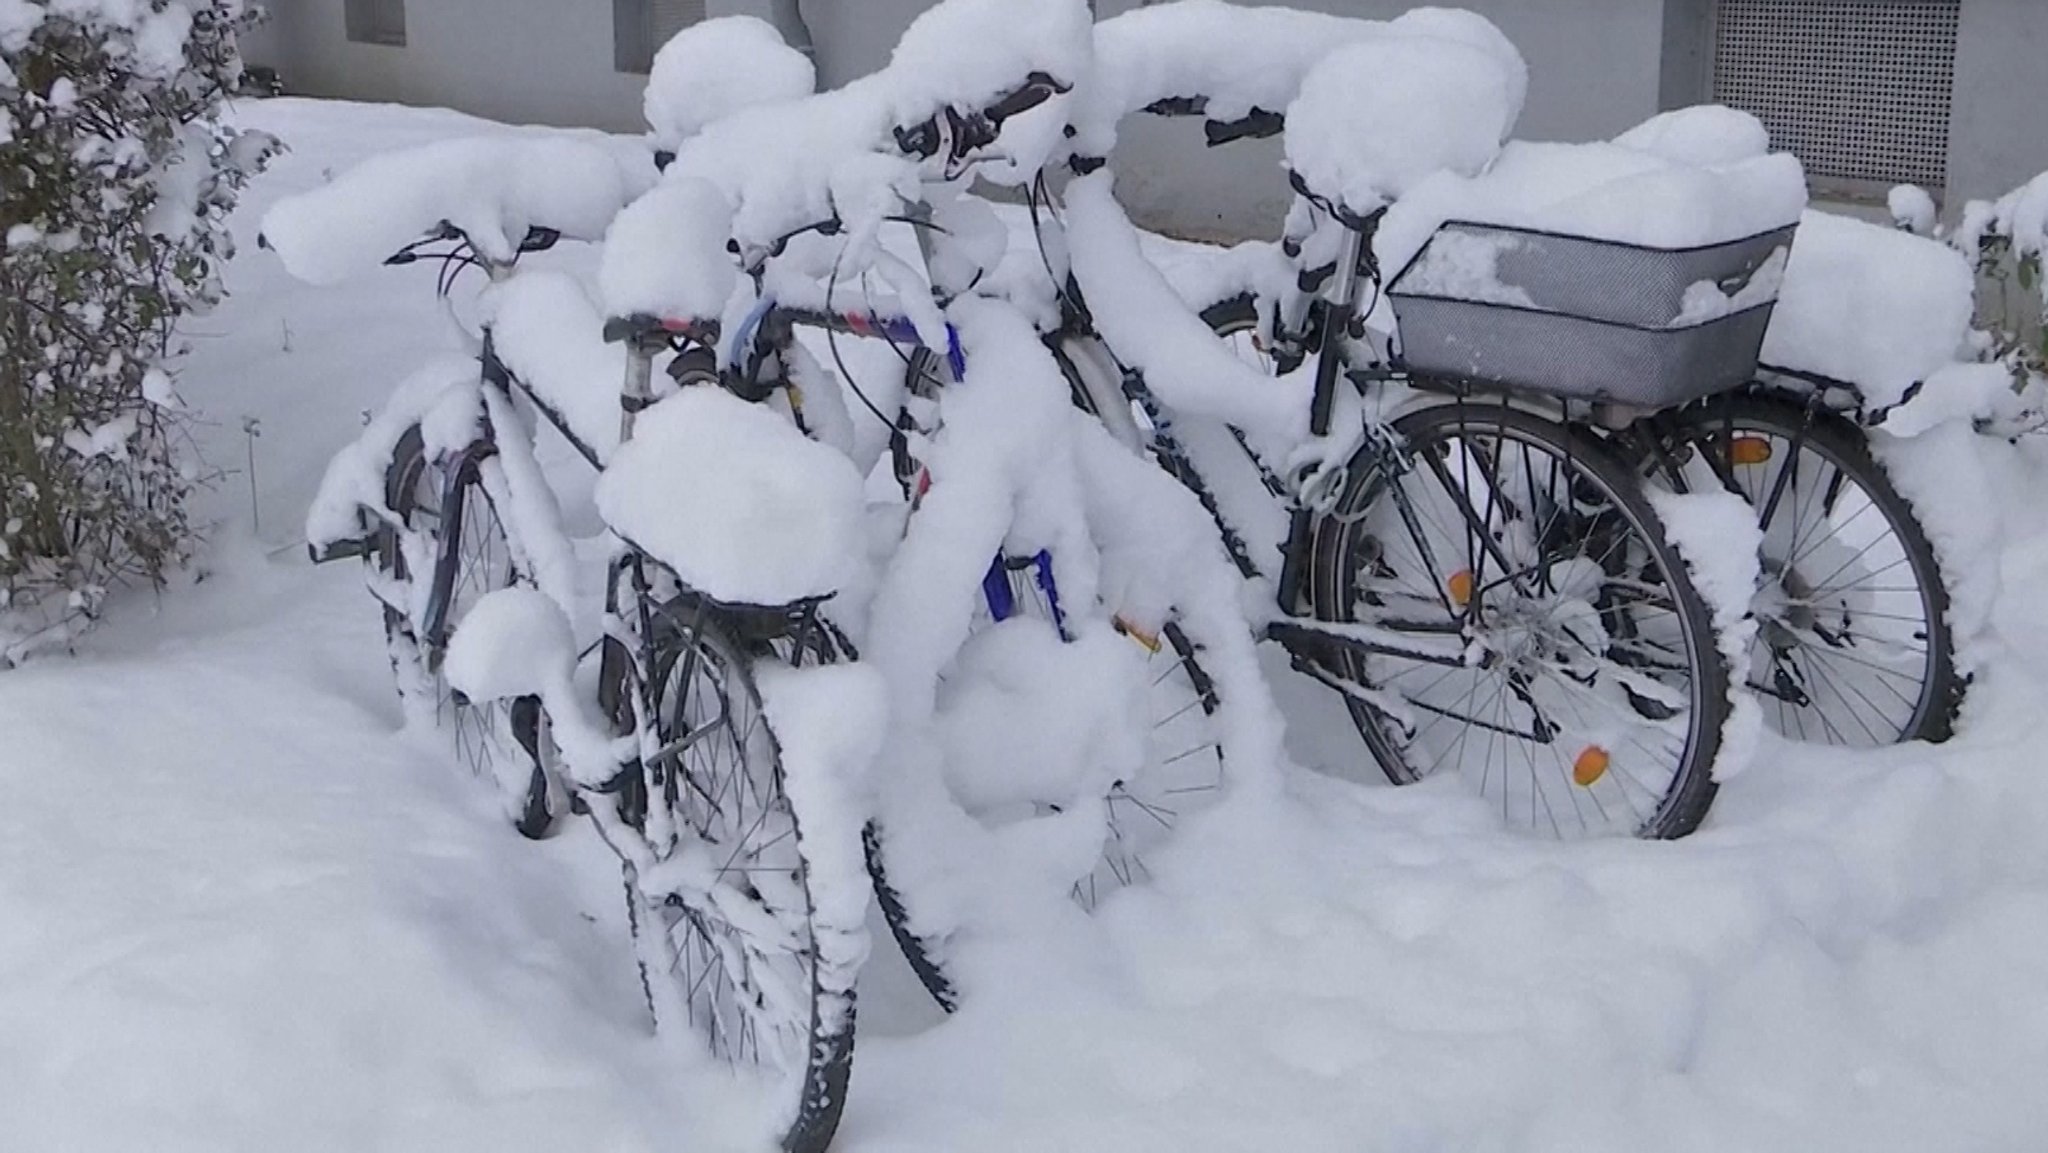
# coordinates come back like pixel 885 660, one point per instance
pixel 1859 90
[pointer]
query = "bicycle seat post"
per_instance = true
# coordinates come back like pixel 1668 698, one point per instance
pixel 638 390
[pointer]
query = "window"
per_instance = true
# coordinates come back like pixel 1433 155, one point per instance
pixel 375 21
pixel 641 27
pixel 1858 89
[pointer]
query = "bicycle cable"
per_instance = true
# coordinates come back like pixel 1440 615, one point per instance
pixel 839 362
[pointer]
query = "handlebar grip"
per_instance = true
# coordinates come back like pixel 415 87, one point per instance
pixel 1259 124
pixel 629 329
pixel 1038 88
pixel 1179 106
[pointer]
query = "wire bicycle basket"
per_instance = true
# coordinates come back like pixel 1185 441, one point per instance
pixel 1585 319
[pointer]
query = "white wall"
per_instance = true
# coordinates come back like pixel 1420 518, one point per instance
pixel 537 61
pixel 1597 66
pixel 1594 70
pixel 1998 126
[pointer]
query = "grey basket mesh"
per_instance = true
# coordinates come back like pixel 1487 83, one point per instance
pixel 1580 318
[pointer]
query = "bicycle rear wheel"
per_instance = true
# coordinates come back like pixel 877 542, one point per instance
pixel 1601 698
pixel 1853 647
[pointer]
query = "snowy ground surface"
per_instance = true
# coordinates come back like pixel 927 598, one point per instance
pixel 244 911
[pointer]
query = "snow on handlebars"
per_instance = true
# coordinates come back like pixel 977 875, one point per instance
pixel 495 190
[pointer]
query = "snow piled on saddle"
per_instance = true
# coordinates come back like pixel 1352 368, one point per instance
pixel 745 508
pixel 665 255
pixel 1376 118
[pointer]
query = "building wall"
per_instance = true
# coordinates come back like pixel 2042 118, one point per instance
pixel 1998 123
pixel 523 61
pixel 1596 66
pixel 1594 69
pixel 1998 127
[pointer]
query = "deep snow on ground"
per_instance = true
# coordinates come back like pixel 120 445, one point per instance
pixel 243 911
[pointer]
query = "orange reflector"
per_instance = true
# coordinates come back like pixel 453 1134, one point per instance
pixel 1460 587
pixel 1151 641
pixel 1590 766
pixel 1749 450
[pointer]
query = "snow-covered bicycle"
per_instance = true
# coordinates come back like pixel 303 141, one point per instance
pixel 1434 515
pixel 1854 645
pixel 671 732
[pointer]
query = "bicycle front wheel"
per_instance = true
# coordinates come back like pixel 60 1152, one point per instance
pixel 725 920
pixel 1593 697
pixel 451 552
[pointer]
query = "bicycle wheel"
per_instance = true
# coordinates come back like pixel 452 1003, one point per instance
pixel 1181 767
pixel 450 553
pixel 1176 770
pixel 1853 646
pixel 1600 700
pixel 1236 323
pixel 733 950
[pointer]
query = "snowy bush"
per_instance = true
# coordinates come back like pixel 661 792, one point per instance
pixel 2007 239
pixel 116 178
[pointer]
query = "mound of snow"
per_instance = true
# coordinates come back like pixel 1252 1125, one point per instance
pixel 492 188
pixel 1376 118
pixel 1870 305
pixel 1237 58
pixel 1701 134
pixel 730 495
pixel 711 70
pixel 665 255
pixel 546 331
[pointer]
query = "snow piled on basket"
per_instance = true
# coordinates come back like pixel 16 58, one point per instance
pixel 711 70
pixel 493 188
pixel 1873 306
pixel 1239 58
pixel 744 507
pixel 1695 177
pixel 1376 118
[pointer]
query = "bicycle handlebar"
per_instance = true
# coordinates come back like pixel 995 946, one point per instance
pixel 1258 124
pixel 537 239
pixel 962 134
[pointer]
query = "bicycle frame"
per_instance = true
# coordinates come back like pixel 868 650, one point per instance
pixel 1439 643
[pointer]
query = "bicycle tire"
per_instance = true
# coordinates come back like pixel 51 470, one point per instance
pixel 486 733
pixel 1132 810
pixel 706 651
pixel 1621 629
pixel 1121 860
pixel 1790 694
